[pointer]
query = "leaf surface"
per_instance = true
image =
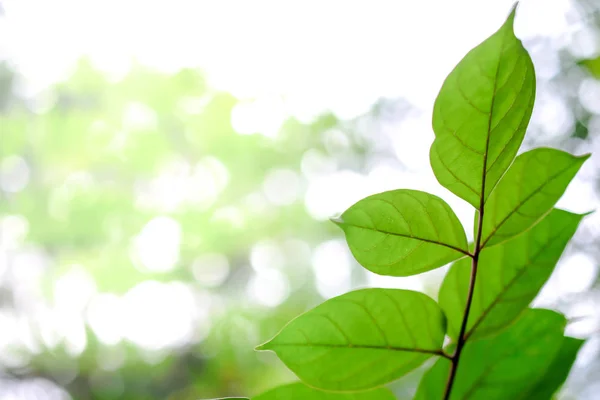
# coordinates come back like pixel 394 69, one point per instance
pixel 362 339
pixel 481 114
pixel 509 276
pixel 298 391
pixel 556 374
pixel 532 185
pixel 403 232
pixel 503 366
pixel 592 65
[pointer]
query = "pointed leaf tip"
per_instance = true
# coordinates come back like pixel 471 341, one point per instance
pixel 510 19
pixel 262 347
pixel 511 15
pixel 337 220
pixel 481 114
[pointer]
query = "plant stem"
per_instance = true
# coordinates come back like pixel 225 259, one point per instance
pixel 461 335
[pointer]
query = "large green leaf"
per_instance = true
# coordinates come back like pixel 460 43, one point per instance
pixel 531 186
pixel 556 373
pixel 501 367
pixel 361 339
pixel 298 391
pixel 509 276
pixel 481 114
pixel 403 232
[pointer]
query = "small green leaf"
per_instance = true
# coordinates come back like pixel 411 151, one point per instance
pixel 531 186
pixel 298 391
pixel 361 339
pixel 481 114
pixel 509 276
pixel 403 232
pixel 503 366
pixel 592 65
pixel 556 373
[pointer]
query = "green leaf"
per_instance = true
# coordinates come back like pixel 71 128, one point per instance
pixel 556 373
pixel 361 339
pixel 592 65
pixel 298 391
pixel 509 276
pixel 403 232
pixel 481 114
pixel 503 366
pixel 531 186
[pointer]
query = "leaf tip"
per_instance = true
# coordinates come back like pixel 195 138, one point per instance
pixel 585 156
pixel 511 16
pixel 263 347
pixel 337 220
pixel 585 214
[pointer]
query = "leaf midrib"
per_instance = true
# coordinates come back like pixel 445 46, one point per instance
pixel 465 252
pixel 361 346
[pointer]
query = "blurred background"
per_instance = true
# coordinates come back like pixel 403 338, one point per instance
pixel 167 171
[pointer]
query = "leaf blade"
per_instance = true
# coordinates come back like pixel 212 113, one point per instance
pixel 298 391
pixel 403 232
pixel 531 186
pixel 503 366
pixel 557 371
pixel 509 276
pixel 335 345
pixel 481 114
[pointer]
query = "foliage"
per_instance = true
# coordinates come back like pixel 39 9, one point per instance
pixel 107 159
pixel 500 347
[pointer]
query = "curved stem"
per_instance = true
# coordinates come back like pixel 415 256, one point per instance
pixel 461 335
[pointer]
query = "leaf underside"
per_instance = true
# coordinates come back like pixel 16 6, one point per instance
pixel 403 232
pixel 362 339
pixel 298 391
pixel 503 366
pixel 481 114
pixel 509 276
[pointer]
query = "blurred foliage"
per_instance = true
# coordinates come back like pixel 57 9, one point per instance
pixel 104 158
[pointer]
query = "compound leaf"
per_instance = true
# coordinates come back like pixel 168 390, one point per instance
pixel 509 276
pixel 503 366
pixel 298 391
pixel 403 232
pixel 481 114
pixel 530 187
pixel 362 339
